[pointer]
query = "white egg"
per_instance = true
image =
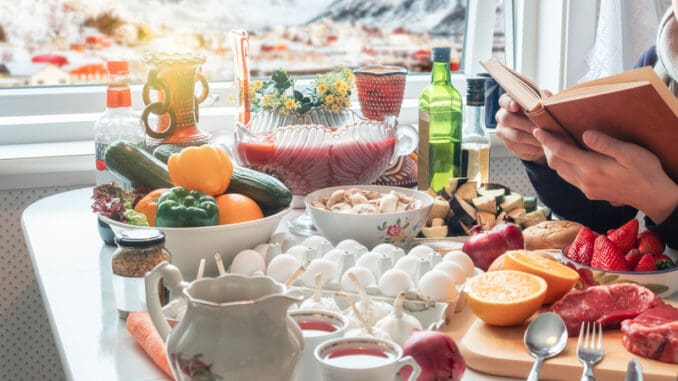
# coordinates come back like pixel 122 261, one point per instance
pixel 364 276
pixel 282 267
pixel 438 286
pixel 327 269
pixel 369 261
pixel 303 253
pixel 394 281
pixel 319 243
pixel 285 240
pixel 421 251
pixel 408 264
pixel 463 260
pixel 352 246
pixel 248 262
pixel 385 248
pixel 453 270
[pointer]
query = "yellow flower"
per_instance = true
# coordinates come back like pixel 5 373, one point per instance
pixel 266 100
pixel 329 100
pixel 322 88
pixel 257 85
pixel 343 92
pixel 335 108
pixel 290 104
pixel 339 84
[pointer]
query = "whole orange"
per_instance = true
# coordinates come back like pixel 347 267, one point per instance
pixel 235 207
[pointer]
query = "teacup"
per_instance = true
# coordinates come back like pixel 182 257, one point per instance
pixel 317 327
pixel 363 359
pixel 380 90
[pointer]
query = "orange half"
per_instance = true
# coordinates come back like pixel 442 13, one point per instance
pixel 505 297
pixel 559 278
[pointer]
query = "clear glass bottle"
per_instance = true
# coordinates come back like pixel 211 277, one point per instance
pixel 139 251
pixel 475 137
pixel 439 126
pixel 118 122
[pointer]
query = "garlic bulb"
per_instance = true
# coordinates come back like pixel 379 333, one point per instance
pixel 370 310
pixel 398 324
pixel 327 269
pixel 317 302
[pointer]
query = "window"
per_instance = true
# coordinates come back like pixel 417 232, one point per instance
pixel 304 36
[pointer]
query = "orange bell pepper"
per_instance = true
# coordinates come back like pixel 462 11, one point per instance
pixel 205 168
pixel 148 205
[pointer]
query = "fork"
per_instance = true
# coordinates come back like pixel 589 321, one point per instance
pixel 589 348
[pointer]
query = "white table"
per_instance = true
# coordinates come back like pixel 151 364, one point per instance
pixel 73 270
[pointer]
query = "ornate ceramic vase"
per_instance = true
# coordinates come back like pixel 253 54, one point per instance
pixel 173 76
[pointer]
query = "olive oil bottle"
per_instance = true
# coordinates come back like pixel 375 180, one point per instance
pixel 440 126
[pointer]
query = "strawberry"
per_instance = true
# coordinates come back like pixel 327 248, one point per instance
pixel 607 256
pixel 633 257
pixel 625 236
pixel 663 262
pixel 650 242
pixel 646 263
pixel 581 249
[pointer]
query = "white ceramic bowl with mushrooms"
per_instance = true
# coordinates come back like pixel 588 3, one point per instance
pixel 370 214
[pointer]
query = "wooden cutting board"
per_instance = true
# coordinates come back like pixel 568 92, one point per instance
pixel 500 351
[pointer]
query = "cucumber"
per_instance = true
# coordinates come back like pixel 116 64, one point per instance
pixel 270 193
pixel 530 203
pixel 164 151
pixel 136 166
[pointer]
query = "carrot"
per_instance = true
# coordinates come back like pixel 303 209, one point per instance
pixel 140 326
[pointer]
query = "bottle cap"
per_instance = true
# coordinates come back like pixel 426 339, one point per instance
pixel 118 97
pixel 117 67
pixel 140 238
pixel 475 91
pixel 440 54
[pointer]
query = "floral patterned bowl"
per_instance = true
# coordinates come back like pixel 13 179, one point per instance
pixel 663 282
pixel 397 228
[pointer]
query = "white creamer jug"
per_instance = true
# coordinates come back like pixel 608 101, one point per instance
pixel 235 327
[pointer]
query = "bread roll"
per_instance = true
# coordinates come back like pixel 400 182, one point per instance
pixel 550 234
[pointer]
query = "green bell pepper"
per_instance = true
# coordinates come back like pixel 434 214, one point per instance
pixel 179 207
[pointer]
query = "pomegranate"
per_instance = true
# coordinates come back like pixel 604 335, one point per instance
pixel 485 247
pixel 437 355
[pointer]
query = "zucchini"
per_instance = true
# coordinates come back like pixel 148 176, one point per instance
pixel 464 212
pixel 270 193
pixel 468 191
pixel 486 204
pixel 164 151
pixel 511 202
pixel 135 166
pixel 530 203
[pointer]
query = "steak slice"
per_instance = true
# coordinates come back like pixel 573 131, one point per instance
pixel 608 305
pixel 653 334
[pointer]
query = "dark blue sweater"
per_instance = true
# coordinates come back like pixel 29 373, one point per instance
pixel 568 202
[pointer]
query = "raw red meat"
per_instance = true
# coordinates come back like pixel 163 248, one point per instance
pixel 608 305
pixel 653 334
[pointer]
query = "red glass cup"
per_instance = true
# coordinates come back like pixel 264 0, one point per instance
pixel 380 90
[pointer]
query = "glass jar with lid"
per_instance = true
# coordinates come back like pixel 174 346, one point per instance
pixel 139 251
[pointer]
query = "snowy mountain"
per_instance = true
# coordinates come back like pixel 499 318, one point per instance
pixel 434 16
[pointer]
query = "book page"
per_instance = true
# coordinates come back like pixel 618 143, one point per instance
pixel 525 92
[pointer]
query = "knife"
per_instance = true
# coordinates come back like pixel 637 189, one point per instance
pixel 634 372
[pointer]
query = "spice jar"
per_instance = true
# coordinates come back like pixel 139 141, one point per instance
pixel 139 251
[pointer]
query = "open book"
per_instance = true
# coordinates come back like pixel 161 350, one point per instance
pixel 634 106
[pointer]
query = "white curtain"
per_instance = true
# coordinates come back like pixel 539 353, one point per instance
pixel 626 29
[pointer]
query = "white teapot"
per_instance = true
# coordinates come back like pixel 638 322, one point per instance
pixel 235 327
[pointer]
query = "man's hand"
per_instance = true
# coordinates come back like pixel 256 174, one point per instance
pixel 515 130
pixel 615 171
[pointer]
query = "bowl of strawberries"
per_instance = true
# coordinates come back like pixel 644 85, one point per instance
pixel 623 255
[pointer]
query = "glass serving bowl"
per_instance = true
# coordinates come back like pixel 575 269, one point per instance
pixel 321 149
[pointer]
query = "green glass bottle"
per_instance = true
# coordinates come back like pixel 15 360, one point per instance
pixel 439 126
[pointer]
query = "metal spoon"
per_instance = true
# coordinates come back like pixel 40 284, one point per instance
pixel 545 337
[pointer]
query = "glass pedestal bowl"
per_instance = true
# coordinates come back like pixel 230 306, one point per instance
pixel 321 149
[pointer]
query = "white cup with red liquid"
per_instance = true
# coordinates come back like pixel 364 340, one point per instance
pixel 317 327
pixel 363 359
